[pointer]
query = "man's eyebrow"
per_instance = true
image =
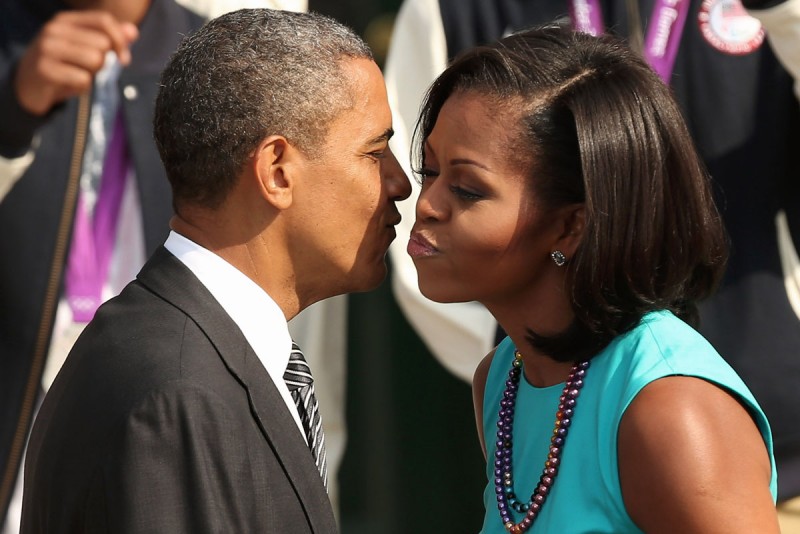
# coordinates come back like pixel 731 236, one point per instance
pixel 382 138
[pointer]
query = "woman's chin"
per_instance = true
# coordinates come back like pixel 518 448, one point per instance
pixel 437 293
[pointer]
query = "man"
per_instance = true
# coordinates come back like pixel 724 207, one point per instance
pixel 171 413
pixel 71 73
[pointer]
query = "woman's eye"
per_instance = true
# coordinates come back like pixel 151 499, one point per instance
pixel 465 194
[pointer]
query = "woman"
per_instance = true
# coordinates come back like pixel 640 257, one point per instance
pixel 561 190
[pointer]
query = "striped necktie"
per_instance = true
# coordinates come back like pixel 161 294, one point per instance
pixel 301 386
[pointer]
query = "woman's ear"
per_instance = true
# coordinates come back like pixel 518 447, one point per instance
pixel 573 225
pixel 272 167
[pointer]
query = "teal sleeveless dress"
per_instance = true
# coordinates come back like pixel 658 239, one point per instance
pixel 586 496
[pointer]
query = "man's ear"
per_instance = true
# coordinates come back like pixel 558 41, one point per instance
pixel 572 221
pixel 272 168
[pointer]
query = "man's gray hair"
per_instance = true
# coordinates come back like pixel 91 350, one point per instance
pixel 242 77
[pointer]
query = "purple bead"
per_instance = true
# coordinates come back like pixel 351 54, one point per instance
pixel 504 446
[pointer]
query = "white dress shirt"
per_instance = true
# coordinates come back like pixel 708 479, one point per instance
pixel 255 313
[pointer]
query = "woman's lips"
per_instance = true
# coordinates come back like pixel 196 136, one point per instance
pixel 419 247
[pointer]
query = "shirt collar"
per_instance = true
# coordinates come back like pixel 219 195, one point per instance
pixel 258 316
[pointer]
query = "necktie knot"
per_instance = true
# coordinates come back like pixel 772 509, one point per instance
pixel 298 373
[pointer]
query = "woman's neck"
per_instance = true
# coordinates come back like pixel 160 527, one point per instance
pixel 518 318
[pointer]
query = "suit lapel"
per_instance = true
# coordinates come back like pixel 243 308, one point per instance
pixel 167 277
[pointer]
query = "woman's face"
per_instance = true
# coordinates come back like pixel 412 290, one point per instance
pixel 480 234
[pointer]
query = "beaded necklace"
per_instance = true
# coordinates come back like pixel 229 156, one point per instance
pixel 503 479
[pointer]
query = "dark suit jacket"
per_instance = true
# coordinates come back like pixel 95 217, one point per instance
pixel 163 419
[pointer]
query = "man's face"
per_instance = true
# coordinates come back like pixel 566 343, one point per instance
pixel 349 190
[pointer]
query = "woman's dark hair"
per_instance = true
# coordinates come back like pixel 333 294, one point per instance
pixel 598 127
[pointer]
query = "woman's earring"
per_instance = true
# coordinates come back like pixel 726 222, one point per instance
pixel 558 258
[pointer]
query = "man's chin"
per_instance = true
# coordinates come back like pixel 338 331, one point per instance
pixel 371 279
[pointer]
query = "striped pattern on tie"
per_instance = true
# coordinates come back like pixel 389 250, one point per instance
pixel 301 386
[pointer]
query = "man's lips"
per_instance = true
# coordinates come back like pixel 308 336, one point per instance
pixel 419 246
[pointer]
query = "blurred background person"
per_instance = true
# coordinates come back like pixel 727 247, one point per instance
pixel 215 8
pixel 85 196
